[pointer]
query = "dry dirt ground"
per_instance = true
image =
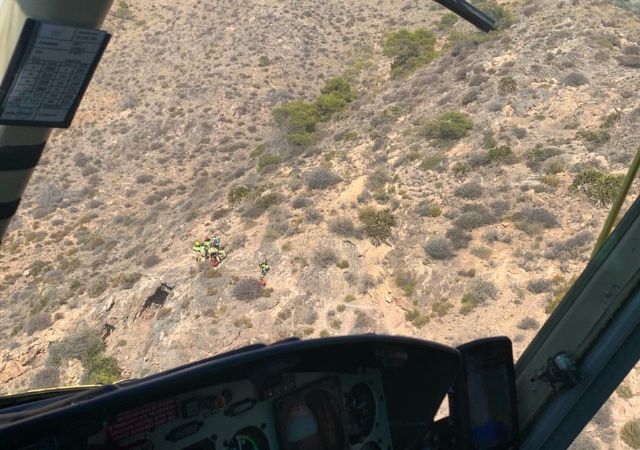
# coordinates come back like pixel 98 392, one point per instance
pixel 179 114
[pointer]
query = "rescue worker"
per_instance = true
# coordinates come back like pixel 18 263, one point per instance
pixel 217 256
pixel 207 247
pixel 217 242
pixel 264 268
pixel 200 251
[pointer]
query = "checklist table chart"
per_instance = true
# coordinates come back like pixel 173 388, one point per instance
pixel 49 73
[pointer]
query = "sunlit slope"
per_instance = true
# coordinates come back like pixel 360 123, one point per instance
pixel 450 199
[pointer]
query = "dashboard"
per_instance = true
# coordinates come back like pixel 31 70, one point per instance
pixel 365 392
pixel 305 411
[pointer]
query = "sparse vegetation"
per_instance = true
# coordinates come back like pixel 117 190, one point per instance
pixel 459 237
pixel 575 79
pixel 477 293
pixel 409 50
pixel 343 226
pixel 123 11
pixel 237 194
pixel 474 216
pixel 447 21
pixel 416 318
pixel 470 190
pixel 321 178
pixel 97 287
pixel 570 248
pixel 600 188
pixel 324 257
pixel 431 162
pixel 37 322
pixel 406 281
pixel 540 285
pixel 439 248
pixel 482 252
pixel 507 85
pixel 502 154
pixel 537 155
pixel 247 289
pixel 534 220
pixel 267 160
pixel 87 346
pixel 528 323
pixel 630 433
pixel 594 137
pixel 101 369
pixel 449 126
pixel 561 289
pixel 624 391
pixel 299 119
pixel 47 377
pixel 426 209
pixel 441 308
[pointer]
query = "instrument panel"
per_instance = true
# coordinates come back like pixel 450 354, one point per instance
pixel 302 411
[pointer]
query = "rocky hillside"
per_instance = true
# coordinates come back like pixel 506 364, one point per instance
pixel 442 183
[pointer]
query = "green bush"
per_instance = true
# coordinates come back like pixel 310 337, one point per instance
pixel 123 11
pixel 502 155
pixel 340 88
pixel 348 298
pixel 624 391
pixel 264 61
pixel 97 287
pixel 501 14
pixel 426 209
pixel 268 160
pixel 101 369
pixel 460 170
pixel 321 178
pixel 336 94
pixel 299 120
pixel 507 85
pixel 87 346
pixel 630 433
pixel 534 220
pixel 439 248
pixel 537 155
pixel 409 50
pixel 441 307
pixel 81 345
pixel 266 201
pixel 431 162
pixel 610 120
pixel 478 292
pixel 447 21
pixel 416 318
pixel 328 104
pixel 469 190
pixel 561 289
pixel 237 194
pixel 595 137
pixel 597 186
pixel 377 223
pixel 405 281
pixel 448 126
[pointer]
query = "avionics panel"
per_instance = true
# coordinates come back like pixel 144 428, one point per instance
pixel 304 411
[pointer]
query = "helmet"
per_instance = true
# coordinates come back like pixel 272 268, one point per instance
pixel 197 242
